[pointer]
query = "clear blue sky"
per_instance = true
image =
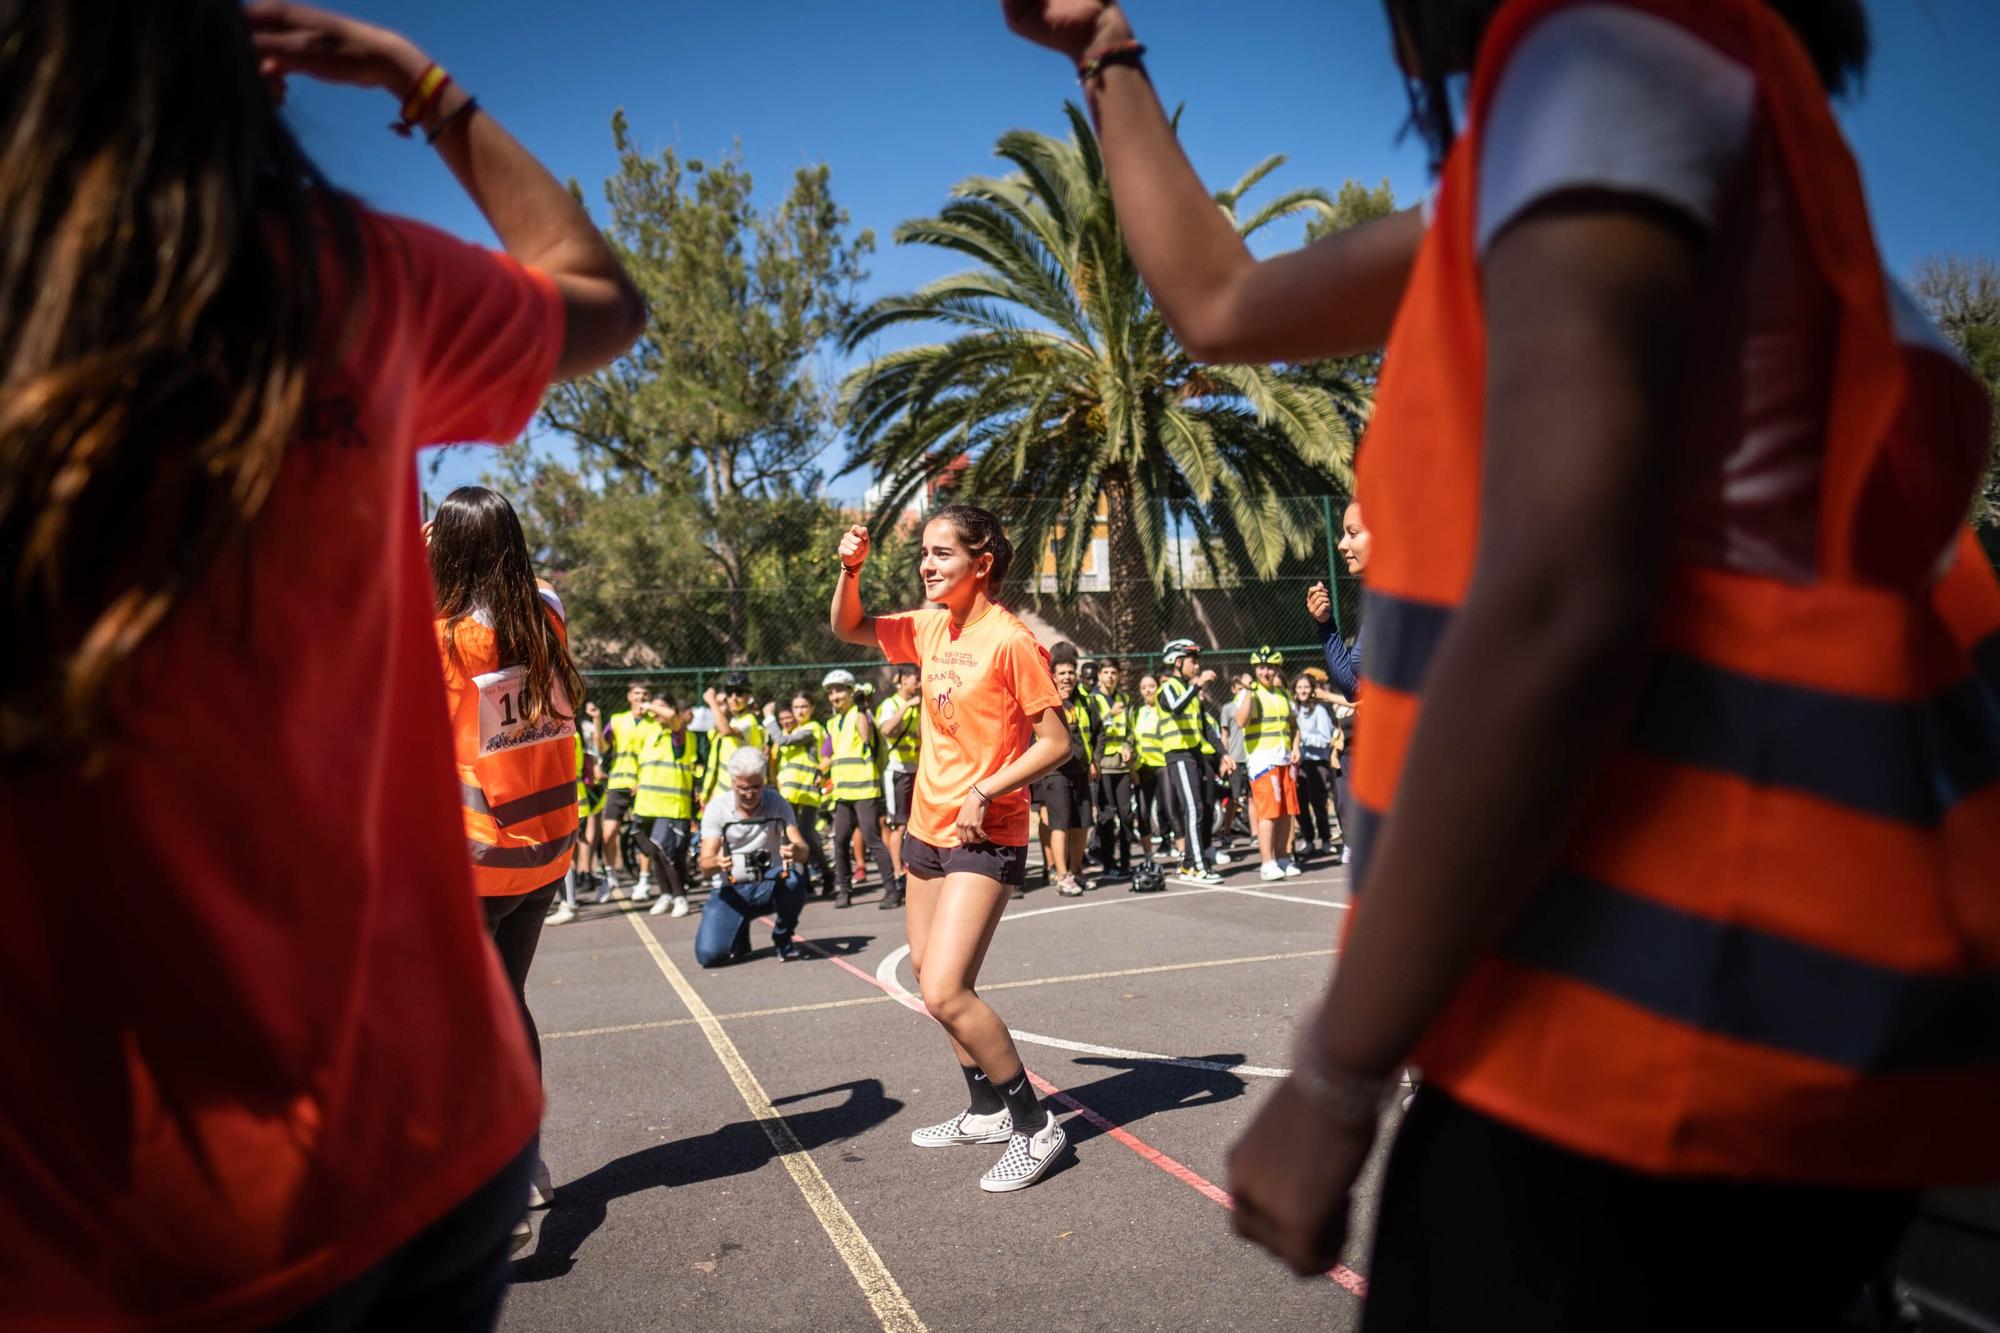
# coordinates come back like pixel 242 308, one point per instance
pixel 904 97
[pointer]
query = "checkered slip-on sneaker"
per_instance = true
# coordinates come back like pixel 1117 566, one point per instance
pixel 1026 1158
pixel 965 1127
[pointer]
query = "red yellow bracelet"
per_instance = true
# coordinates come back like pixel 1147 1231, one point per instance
pixel 430 86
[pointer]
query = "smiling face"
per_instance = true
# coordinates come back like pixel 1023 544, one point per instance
pixel 1149 689
pixel 1268 677
pixel 951 574
pixel 1108 678
pixel 1302 689
pixel 636 696
pixel 739 701
pixel 1065 675
pixel 1354 540
pixel 839 696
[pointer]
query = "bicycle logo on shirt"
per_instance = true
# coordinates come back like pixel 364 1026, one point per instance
pixel 944 706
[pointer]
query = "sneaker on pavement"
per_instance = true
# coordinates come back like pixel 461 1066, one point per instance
pixel 680 907
pixel 1271 870
pixel 843 898
pixel 965 1127
pixel 1068 887
pixel 642 890
pixel 1346 855
pixel 1189 875
pixel 788 952
pixel 541 1186
pixel 520 1238
pixel 1026 1158
pixel 662 904
pixel 1290 868
pixel 1221 857
pixel 562 916
pixel 604 888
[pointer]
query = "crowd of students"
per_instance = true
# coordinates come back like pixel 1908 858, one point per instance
pixel 1265 754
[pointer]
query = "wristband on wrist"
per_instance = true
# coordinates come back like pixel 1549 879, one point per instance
pixel 1097 61
pixel 464 109
pixel 984 799
pixel 1352 1101
pixel 430 86
pixel 853 571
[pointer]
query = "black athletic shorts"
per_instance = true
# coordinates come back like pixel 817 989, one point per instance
pixel 902 790
pixel 1066 793
pixel 1009 865
pixel 618 804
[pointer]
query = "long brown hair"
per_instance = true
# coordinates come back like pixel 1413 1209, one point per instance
pixel 161 299
pixel 479 562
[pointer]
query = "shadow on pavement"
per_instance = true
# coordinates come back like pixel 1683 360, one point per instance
pixel 582 1204
pixel 1143 1088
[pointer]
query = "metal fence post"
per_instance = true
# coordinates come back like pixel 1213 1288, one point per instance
pixel 1332 562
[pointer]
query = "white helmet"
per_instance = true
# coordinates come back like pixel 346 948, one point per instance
pixel 837 676
pixel 1179 648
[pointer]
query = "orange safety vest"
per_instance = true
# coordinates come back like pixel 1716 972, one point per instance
pixel 1772 947
pixel 516 779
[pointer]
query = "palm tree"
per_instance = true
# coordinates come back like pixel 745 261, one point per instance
pixel 1062 385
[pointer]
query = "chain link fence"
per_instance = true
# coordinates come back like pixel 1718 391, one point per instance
pixel 670 637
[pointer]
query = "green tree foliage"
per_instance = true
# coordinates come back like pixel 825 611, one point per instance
pixel 1061 385
pixel 1963 296
pixel 691 517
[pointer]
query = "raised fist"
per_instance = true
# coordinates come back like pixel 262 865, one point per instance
pixel 1069 26
pixel 854 545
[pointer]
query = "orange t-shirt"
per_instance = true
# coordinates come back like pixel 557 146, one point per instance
pixel 272 1042
pixel 983 685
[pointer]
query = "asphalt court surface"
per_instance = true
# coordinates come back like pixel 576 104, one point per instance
pixel 676 1207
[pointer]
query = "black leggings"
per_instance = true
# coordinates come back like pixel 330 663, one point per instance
pixel 1485 1227
pixel 816 866
pixel 515 924
pixel 1185 783
pixel 869 815
pixel 1114 818
pixel 1315 786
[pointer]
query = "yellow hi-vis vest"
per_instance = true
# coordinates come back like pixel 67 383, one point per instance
pixel 1182 730
pixel 853 765
pixel 1269 734
pixel 798 768
pixel 586 804
pixel 625 762
pixel 666 777
pixel 1152 754
pixel 725 742
pixel 908 741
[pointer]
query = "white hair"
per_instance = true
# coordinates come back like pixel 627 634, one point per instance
pixel 747 762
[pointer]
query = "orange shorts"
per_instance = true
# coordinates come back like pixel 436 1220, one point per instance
pixel 1274 792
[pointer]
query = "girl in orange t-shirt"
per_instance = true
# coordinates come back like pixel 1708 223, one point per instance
pixel 992 725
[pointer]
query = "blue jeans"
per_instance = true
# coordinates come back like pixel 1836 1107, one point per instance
pixel 725 919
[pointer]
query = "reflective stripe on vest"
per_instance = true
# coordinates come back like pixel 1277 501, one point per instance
pixel 1770 947
pixel 517 778
pixel 625 757
pixel 666 779
pixel 853 766
pixel 798 768
pixel 1270 729
pixel 727 741
pixel 909 741
pixel 1081 719
pixel 1182 730
pixel 1118 728
pixel 1152 754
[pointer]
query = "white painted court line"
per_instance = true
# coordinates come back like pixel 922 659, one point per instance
pixel 892 1308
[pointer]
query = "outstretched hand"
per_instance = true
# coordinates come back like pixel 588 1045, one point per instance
pixel 298 39
pixel 1072 27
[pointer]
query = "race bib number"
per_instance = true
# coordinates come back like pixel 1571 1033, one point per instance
pixel 502 724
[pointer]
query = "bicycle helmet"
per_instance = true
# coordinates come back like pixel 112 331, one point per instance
pixel 837 676
pixel 1267 656
pixel 1178 648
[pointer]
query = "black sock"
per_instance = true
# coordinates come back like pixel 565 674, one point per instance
pixel 984 1098
pixel 1022 1104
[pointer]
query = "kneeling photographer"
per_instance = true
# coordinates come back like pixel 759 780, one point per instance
pixel 750 844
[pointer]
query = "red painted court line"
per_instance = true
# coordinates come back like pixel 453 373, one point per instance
pixel 1187 1175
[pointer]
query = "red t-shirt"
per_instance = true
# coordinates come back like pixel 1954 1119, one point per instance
pixel 253 1033
pixel 984 683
